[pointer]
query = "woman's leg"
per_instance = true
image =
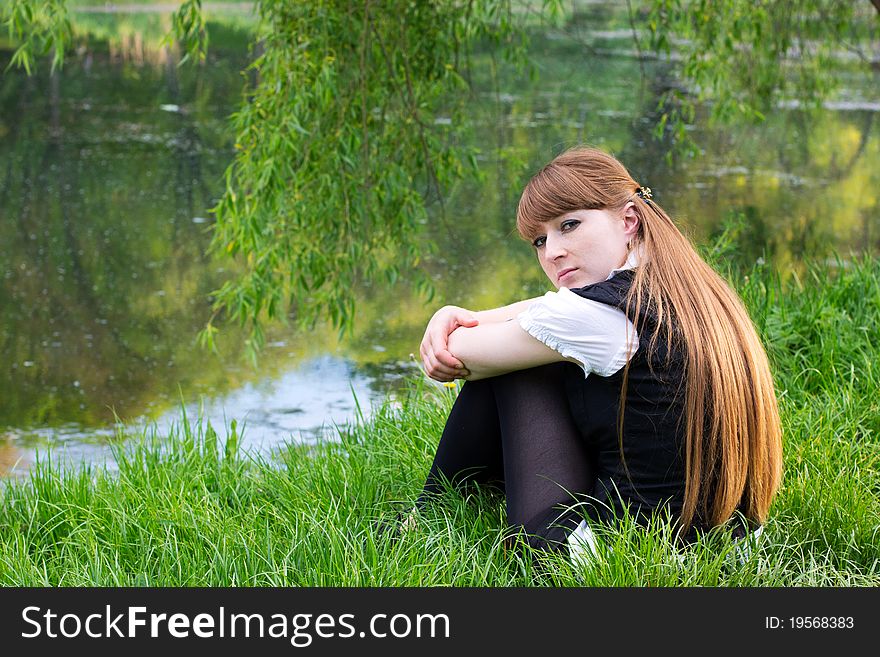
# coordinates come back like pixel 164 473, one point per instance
pixel 547 464
pixel 517 430
pixel 470 446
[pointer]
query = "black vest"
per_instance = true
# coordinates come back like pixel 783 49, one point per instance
pixel 651 477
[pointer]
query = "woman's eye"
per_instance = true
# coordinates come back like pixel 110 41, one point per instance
pixel 539 242
pixel 570 225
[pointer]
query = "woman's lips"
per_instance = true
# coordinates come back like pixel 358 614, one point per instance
pixel 565 272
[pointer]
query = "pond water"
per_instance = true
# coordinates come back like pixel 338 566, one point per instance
pixel 110 167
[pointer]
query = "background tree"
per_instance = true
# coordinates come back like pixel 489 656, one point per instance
pixel 349 130
pixel 352 114
pixel 745 57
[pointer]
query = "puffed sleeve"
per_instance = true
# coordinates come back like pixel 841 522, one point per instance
pixel 598 336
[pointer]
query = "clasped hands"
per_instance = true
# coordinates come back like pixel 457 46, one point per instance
pixel 439 363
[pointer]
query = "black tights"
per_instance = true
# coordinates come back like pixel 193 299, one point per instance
pixel 516 431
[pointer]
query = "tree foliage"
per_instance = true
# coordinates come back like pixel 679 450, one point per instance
pixel 353 111
pixel 349 128
pixel 744 56
pixel 40 27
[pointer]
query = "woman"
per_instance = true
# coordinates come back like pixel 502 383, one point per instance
pixel 639 387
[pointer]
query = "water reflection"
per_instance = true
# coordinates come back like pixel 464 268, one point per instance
pixel 303 404
pixel 102 261
pixel 109 168
pixel 13 459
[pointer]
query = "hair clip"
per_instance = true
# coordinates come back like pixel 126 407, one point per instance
pixel 644 193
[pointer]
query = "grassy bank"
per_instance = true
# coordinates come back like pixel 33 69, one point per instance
pixel 188 509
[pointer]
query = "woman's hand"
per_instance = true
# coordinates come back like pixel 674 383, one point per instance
pixel 438 362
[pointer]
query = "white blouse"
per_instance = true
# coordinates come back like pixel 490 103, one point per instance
pixel 598 336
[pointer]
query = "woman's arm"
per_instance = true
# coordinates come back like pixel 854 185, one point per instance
pixel 498 348
pixel 437 360
pixel 505 312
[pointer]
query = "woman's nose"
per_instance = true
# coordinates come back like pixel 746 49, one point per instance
pixel 553 248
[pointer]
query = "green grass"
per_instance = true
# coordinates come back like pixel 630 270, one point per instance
pixel 190 509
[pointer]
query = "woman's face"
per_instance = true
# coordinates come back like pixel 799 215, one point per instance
pixel 582 247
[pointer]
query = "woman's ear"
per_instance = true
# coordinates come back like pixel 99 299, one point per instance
pixel 630 220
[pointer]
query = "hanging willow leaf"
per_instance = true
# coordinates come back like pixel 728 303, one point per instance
pixel 339 141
